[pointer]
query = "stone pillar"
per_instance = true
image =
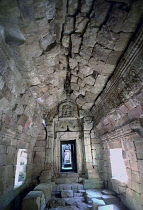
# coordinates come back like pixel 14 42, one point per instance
pixel 94 180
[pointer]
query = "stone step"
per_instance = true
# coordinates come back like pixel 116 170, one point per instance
pixel 66 180
pixel 68 175
pixel 46 188
pixel 73 186
pixel 77 194
pixel 96 203
pixel 93 184
pixel 93 193
pixel 34 200
pixel 110 207
pixel 67 193
pixel 110 199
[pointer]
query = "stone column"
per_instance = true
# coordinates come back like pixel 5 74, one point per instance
pixel 94 180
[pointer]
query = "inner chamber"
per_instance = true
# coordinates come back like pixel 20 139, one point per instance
pixel 68 156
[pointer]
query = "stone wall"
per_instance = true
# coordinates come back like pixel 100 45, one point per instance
pixel 119 123
pixel 129 138
pixel 20 125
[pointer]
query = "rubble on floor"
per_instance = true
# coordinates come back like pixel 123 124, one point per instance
pixel 95 199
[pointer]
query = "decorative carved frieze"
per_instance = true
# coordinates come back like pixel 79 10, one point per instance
pixel 127 80
pixel 130 129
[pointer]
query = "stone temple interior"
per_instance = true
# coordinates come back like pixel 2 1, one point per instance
pixel 71 104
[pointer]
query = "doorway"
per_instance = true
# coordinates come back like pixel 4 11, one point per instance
pixel 68 156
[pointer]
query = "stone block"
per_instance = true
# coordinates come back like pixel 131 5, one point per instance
pixel 74 187
pixel 96 146
pixel 92 174
pixel 92 184
pixel 8 172
pixel 128 170
pixel 141 177
pixel 67 193
pixel 34 200
pixel 140 166
pixel 137 205
pixel 139 145
pixel 46 188
pixel 67 186
pixel 79 186
pixel 141 187
pixel 115 144
pixel 137 197
pixel 89 165
pixel 122 189
pixel 41 143
pixel 39 149
pixel 77 194
pixel 109 207
pixel 87 141
pixel 93 193
pixel 108 192
pixel 2 159
pixel 39 157
pixel 115 188
pixel 140 154
pixel 54 186
pixel 108 199
pixel 2 149
pixel 135 186
pixel 96 162
pixel 129 200
pixel 95 140
pixel 130 144
pixel 40 138
pixel 134 166
pixel 83 192
pixel 96 203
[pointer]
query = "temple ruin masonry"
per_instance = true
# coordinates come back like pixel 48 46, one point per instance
pixel 71 104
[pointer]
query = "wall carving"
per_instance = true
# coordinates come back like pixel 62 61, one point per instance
pixel 126 80
pixel 67 111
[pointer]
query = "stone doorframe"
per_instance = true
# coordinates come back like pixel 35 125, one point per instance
pixel 66 129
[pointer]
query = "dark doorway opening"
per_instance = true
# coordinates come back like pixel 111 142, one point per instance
pixel 68 156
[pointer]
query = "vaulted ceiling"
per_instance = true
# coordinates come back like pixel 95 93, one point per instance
pixel 69 48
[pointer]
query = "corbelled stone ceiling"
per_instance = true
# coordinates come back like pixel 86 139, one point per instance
pixel 70 48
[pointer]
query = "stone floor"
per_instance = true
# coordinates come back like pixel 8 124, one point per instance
pixel 85 199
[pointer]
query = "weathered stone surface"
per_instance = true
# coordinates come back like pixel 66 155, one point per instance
pixel 93 183
pixel 96 203
pixel 34 199
pixel 81 23
pixel 94 194
pixel 76 42
pixel 51 51
pixel 89 38
pixel 46 188
pixel 108 199
pixel 72 7
pixel 108 192
pixel 108 207
pixel 67 193
pixel 69 26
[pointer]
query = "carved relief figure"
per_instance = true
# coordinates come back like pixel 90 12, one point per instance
pixel 67 111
